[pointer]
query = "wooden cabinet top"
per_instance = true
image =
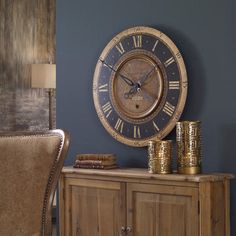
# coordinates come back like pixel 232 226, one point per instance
pixel 138 173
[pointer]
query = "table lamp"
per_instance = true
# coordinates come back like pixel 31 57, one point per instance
pixel 44 76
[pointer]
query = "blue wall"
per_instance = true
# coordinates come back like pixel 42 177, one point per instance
pixel 204 31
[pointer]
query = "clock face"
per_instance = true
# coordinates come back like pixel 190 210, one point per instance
pixel 140 86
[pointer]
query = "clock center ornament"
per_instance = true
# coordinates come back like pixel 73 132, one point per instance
pixel 140 86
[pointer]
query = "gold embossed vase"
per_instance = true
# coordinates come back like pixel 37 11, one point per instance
pixel 151 157
pixel 188 141
pixel 160 157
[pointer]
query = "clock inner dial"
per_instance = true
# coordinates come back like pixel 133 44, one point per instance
pixel 141 93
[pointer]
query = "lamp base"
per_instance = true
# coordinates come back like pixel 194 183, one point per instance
pixel 50 111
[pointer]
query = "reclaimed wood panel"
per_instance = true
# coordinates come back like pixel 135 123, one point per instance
pixel 157 210
pixel 27 35
pixel 86 201
pixel 214 207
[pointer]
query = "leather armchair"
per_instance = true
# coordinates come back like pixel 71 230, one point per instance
pixel 30 166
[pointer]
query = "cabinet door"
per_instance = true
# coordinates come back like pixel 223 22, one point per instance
pixel 93 208
pixel 158 210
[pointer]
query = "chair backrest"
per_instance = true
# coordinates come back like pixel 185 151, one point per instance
pixel 30 166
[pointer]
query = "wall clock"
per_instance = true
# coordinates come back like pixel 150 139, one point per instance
pixel 139 86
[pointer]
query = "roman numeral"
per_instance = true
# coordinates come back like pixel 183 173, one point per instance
pixel 107 109
pixel 178 55
pixel 156 128
pixel 137 41
pixel 173 84
pixel 103 88
pixel 119 125
pixel 169 61
pixel 169 109
pixel 137 133
pixel 154 47
pixel 120 48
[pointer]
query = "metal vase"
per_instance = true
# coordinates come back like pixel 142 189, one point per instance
pixel 188 141
pixel 160 157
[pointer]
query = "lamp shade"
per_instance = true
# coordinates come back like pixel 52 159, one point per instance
pixel 43 76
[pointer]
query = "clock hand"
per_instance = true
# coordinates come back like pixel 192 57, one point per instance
pixel 134 89
pixel 137 86
pixel 126 79
pixel 142 80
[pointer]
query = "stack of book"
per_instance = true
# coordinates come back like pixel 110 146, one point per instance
pixel 95 161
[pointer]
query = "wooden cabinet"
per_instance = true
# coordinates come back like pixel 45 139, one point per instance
pixel 132 202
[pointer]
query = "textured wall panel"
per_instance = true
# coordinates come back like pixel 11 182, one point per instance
pixel 27 35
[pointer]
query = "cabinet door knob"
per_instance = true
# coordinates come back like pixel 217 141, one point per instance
pixel 123 231
pixel 128 229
